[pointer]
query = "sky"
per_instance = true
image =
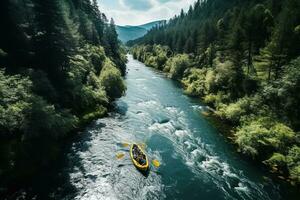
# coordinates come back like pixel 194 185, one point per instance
pixel 137 12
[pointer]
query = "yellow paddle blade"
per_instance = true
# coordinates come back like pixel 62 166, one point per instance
pixel 156 163
pixel 120 155
pixel 205 113
pixel 125 144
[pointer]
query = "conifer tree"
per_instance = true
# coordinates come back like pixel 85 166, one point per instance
pixel 53 41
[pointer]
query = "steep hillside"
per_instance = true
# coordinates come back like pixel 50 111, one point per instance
pixel 127 33
pixel 150 25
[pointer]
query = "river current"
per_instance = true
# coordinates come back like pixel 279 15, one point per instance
pixel 196 161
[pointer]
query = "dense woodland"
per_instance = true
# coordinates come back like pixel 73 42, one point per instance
pixel 61 65
pixel 242 57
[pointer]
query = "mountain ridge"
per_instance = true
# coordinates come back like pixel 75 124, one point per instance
pixel 131 32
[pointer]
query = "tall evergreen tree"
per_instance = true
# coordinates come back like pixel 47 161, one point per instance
pixel 53 41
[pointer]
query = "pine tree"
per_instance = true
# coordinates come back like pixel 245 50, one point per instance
pixel 112 38
pixel 259 20
pixel 189 45
pixel 284 42
pixel 236 45
pixel 98 21
pixel 53 41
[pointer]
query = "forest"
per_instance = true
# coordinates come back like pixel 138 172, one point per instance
pixel 242 58
pixel 61 65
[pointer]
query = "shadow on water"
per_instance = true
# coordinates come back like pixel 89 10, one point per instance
pixel 55 181
pixel 121 108
pixel 45 184
pixel 50 181
pixel 64 188
pixel 145 173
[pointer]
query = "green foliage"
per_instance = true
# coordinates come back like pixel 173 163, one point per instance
pixel 195 82
pixel 218 100
pixel 42 85
pixel 234 111
pixel 210 81
pixel 44 120
pixel 61 49
pixel 228 79
pixel 293 162
pixel 277 160
pixel 251 79
pixel 98 112
pixel 155 56
pixel 23 112
pixel 210 99
pixel 14 100
pixel 85 90
pixel 111 80
pixel 95 55
pixel 284 94
pixel 177 65
pixel 151 62
pixel 243 108
pixel 262 134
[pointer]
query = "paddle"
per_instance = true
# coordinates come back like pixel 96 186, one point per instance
pixel 142 145
pixel 125 144
pixel 156 163
pixel 120 155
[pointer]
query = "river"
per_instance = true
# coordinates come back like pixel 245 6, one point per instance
pixel 196 160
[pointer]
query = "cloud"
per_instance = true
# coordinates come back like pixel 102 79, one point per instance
pixel 135 12
pixel 142 5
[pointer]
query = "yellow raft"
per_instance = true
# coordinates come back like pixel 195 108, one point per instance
pixel 142 167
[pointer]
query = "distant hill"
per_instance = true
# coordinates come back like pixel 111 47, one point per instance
pixel 149 25
pixel 127 33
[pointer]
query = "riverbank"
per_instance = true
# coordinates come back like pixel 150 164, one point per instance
pixel 240 101
pixel 33 175
pixel 40 173
pixel 196 162
pixel 60 68
pixel 36 127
